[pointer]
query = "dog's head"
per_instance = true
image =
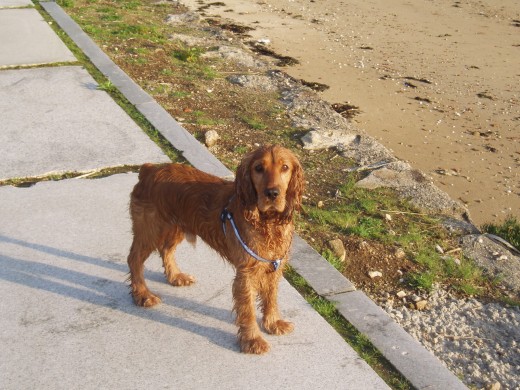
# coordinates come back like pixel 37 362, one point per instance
pixel 270 181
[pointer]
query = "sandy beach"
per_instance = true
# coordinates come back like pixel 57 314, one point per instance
pixel 438 83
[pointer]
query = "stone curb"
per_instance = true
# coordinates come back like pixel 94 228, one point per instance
pixel 407 355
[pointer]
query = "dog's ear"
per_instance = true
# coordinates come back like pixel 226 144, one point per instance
pixel 294 194
pixel 244 188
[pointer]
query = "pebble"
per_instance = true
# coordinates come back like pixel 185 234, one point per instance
pixel 399 253
pixel 415 298
pixel 375 274
pixel 401 294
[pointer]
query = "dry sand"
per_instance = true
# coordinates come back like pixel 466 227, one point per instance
pixel 438 82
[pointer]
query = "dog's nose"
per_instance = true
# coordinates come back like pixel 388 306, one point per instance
pixel 272 193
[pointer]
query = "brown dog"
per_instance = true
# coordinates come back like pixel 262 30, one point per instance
pixel 248 222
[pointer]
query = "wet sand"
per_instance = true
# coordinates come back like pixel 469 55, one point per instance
pixel 437 82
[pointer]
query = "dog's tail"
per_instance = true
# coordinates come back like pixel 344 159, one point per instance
pixel 145 170
pixel 140 191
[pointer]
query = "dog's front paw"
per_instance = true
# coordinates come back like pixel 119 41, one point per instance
pixel 279 327
pixel 146 299
pixel 182 280
pixel 255 346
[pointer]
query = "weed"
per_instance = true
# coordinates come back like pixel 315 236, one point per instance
pixel 254 123
pixel 107 86
pixel 180 94
pixel 334 260
pixel 421 280
pixel 240 149
pixel 509 230
pixel 191 54
pixel 66 3
pixel 167 72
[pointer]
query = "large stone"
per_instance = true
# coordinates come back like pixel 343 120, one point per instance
pixel 496 258
pixel 316 140
pixel 337 248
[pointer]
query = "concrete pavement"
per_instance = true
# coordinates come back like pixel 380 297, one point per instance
pixel 67 318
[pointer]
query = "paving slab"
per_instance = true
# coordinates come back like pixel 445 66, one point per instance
pixel 15 3
pixel 55 120
pixel 68 320
pixel 31 40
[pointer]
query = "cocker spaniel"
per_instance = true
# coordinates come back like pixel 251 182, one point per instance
pixel 248 222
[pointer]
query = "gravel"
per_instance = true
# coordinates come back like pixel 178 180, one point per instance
pixel 479 342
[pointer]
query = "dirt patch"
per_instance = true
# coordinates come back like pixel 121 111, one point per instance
pixel 364 257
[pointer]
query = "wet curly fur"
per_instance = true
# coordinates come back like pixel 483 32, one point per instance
pixel 174 201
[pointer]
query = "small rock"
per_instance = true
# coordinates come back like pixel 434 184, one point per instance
pixel 415 298
pixel 211 137
pixel 421 305
pixel 401 294
pixel 337 248
pixel 494 386
pixel 375 274
pixel 388 217
pixel 439 249
pixel 320 204
pixel 399 253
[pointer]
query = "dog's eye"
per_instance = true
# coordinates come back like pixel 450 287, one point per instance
pixel 259 168
pixel 285 168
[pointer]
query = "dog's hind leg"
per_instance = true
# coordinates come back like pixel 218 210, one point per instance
pixel 139 252
pixel 167 247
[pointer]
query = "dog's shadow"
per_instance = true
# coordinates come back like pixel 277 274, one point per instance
pixel 109 293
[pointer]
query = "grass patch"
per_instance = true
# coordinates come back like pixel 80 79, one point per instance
pixel 92 174
pixel 380 216
pixel 254 123
pixel 191 54
pixel 509 230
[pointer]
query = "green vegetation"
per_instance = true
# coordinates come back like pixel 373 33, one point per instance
pixel 191 54
pixel 509 230
pixel 255 123
pixel 380 216
pixel 93 174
